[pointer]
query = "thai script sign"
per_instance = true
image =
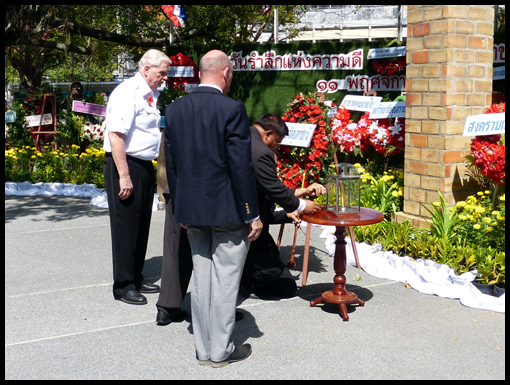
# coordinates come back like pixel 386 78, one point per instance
pixel 181 72
pixel 270 61
pixel 388 110
pixel 499 53
pixel 365 83
pixel 360 103
pixel 499 73
pixel 34 120
pixel 89 108
pixel 487 124
pixel 10 117
pixel 381 53
pixel 300 135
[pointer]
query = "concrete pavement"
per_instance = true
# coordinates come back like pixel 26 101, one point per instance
pixel 61 321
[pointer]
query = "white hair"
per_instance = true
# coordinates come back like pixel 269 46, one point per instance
pixel 153 58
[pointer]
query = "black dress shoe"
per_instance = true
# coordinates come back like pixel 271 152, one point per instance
pixel 149 289
pixel 132 297
pixel 166 317
pixel 240 353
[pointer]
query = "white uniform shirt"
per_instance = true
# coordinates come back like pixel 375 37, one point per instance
pixel 130 113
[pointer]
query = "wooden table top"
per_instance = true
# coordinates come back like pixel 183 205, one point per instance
pixel 365 217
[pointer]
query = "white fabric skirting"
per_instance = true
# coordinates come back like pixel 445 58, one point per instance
pixel 425 276
pixel 98 196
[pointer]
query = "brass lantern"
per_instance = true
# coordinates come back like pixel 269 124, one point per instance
pixel 343 193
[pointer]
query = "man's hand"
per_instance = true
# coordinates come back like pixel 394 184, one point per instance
pixel 295 217
pixel 126 187
pixel 256 230
pixel 316 189
pixel 311 208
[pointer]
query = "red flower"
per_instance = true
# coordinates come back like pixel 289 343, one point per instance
pixel 150 100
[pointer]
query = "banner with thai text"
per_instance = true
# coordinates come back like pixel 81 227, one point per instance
pixel 355 83
pixel 270 61
pixel 89 108
pixel 35 120
pixel 487 124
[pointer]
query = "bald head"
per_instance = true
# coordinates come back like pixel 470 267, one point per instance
pixel 216 68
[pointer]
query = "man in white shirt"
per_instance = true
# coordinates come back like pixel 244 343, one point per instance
pixel 132 143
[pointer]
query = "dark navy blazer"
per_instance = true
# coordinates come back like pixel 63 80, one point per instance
pixel 208 158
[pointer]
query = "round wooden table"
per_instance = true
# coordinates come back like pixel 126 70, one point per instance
pixel 339 295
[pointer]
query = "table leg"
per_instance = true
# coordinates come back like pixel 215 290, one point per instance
pixel 339 295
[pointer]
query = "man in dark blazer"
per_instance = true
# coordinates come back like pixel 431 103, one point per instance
pixel 264 268
pixel 211 180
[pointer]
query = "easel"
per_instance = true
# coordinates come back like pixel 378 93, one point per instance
pixel 53 99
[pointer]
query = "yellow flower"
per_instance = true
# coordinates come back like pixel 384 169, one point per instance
pixel 489 229
pixel 477 227
pixel 462 217
pixel 502 198
pixel 501 218
pixel 495 213
pixel 33 157
pixel 480 194
pixel 394 194
pixel 487 192
pixel 357 165
pixel 437 204
pixel 480 210
pixel 487 220
pixel 361 170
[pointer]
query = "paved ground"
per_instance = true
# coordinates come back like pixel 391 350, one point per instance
pixel 61 321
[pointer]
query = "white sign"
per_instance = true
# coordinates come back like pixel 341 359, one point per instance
pixel 499 53
pixel 34 120
pixel 360 103
pixel 181 72
pixel 388 110
pixel 499 73
pixel 380 53
pixel 487 124
pixel 300 135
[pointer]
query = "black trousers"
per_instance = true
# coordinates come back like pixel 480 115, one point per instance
pixel 130 221
pixel 177 263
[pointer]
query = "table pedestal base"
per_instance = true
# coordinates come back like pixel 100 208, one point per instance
pixel 342 300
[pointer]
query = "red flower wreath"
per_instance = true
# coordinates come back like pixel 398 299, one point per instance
pixel 488 153
pixel 296 165
pixel 181 60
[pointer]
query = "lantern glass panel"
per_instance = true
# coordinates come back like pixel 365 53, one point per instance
pixel 343 191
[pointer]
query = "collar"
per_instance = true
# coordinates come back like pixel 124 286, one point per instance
pixel 143 86
pixel 212 86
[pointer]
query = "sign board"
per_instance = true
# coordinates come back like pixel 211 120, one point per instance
pixel 499 73
pixel 191 88
pixel 300 135
pixel 388 110
pixel 34 120
pixel 487 124
pixel 181 72
pixel 89 108
pixel 381 53
pixel 10 117
pixel 360 103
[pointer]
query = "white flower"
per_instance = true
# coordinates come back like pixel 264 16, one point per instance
pixel 395 130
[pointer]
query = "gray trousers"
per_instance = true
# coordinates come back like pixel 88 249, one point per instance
pixel 219 254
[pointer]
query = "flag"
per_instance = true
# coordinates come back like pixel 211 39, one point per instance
pixel 176 13
pixel 266 9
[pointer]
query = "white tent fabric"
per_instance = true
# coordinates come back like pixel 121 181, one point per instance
pixel 98 196
pixel 425 276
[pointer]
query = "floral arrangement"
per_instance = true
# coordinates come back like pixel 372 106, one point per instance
pixel 181 60
pixel 487 159
pixel 94 132
pixel 386 138
pixel 390 68
pixel 352 138
pixel 300 167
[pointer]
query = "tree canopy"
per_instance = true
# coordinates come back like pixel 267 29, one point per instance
pixel 39 38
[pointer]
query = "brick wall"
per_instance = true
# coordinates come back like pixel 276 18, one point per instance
pixel 449 77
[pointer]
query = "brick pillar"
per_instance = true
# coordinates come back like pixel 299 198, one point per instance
pixel 449 77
